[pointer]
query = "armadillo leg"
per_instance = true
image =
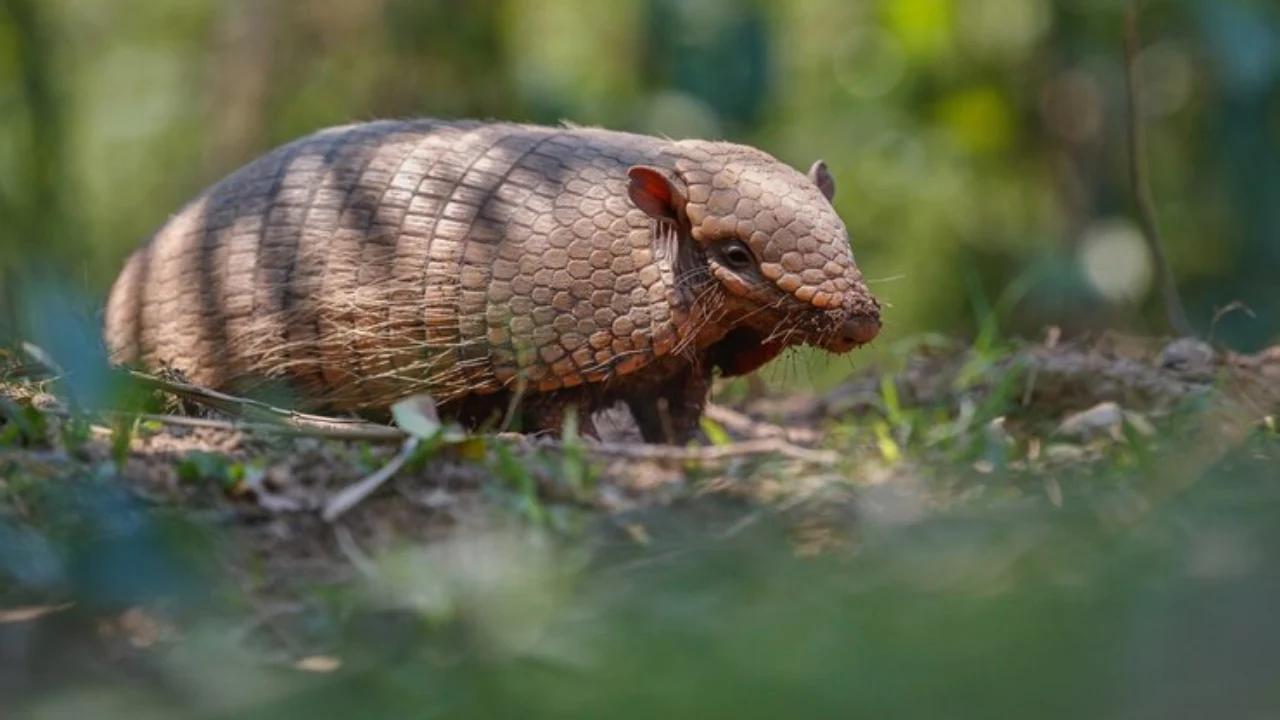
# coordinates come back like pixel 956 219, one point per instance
pixel 548 419
pixel 672 413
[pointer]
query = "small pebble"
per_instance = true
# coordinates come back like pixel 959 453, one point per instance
pixel 1101 418
pixel 1188 356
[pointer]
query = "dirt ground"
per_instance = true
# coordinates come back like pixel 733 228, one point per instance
pixel 823 463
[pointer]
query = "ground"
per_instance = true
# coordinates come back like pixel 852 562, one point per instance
pixel 146 546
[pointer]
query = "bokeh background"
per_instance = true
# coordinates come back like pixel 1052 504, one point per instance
pixel 978 145
pixel 980 155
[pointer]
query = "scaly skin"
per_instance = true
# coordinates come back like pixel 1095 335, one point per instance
pixel 485 263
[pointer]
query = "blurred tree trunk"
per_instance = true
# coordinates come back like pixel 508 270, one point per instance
pixel 240 76
pixel 719 52
pixel 448 58
pixel 35 229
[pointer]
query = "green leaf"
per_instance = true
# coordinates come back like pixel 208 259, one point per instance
pixel 31 425
pixel 715 432
pixel 201 466
pixel 518 477
pixel 417 416
pixel 122 441
pixel 888 446
pixel 889 395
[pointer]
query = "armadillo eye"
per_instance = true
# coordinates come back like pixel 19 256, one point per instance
pixel 736 255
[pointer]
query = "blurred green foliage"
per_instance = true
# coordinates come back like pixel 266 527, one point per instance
pixel 978 147
pixel 974 143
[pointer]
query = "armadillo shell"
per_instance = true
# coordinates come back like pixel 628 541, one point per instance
pixel 369 262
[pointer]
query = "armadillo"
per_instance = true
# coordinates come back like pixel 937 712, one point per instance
pixel 505 269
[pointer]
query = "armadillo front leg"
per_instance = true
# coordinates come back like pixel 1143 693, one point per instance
pixel 548 419
pixel 672 413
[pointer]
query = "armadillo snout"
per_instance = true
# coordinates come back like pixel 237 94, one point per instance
pixel 857 325
pixel 839 331
pixel 860 330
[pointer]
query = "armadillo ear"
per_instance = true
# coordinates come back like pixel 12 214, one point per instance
pixel 821 176
pixel 655 193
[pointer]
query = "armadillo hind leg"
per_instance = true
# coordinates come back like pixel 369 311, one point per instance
pixel 673 413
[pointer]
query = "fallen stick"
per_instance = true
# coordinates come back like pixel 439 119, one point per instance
pixel 259 411
pixel 354 494
pixel 743 423
pixel 714 453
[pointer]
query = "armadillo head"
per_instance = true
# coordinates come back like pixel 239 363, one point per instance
pixel 767 238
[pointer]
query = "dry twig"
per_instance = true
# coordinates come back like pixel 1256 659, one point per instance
pixel 367 432
pixel 253 410
pixel 715 453
pixel 385 433
pixel 318 426
pixel 744 424
pixel 353 495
